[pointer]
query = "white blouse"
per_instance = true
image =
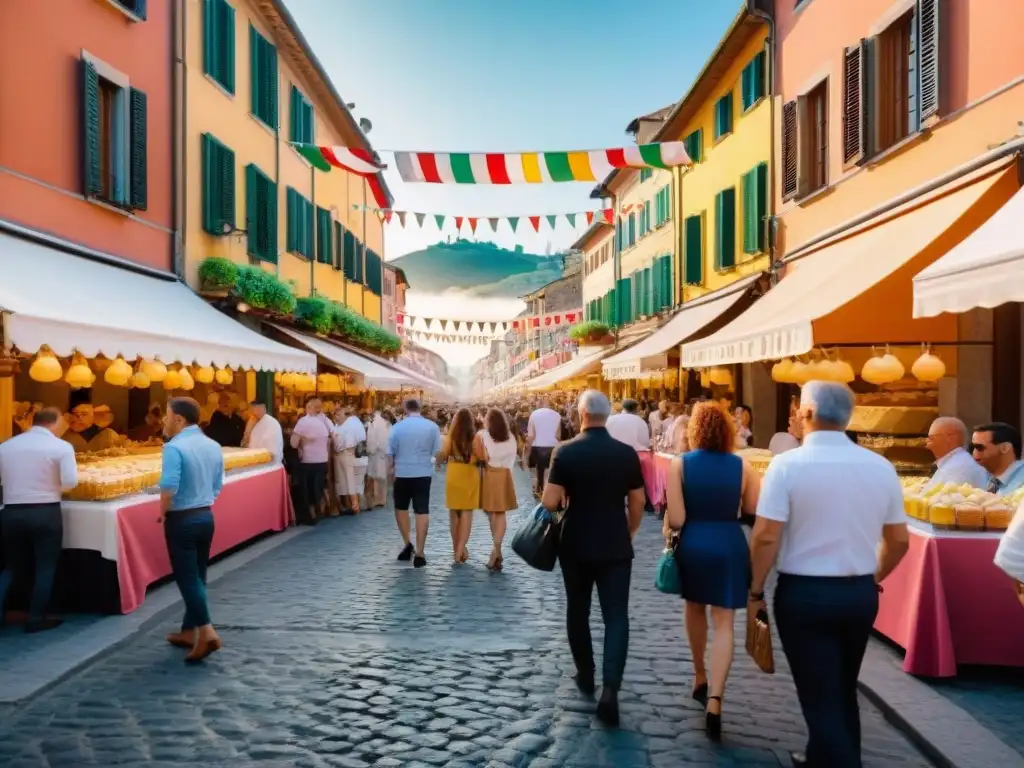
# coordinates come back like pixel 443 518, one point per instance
pixel 499 455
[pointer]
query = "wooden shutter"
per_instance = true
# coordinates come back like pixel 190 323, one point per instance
pixel 268 213
pixel 854 103
pixel 92 172
pixel 694 265
pixel 929 93
pixel 349 255
pixel 804 131
pixel 291 230
pixel 227 36
pixel 270 81
pixel 323 235
pixel 251 211
pixel 255 82
pixel 138 196
pixel 294 116
pixel 211 36
pixel 761 205
pixel 309 225
pixel 218 186
pixel 789 150
pixel 667 281
pixel 725 229
pixel 749 213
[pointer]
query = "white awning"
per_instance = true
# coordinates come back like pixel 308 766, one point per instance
pixel 781 323
pixel 578 366
pixel 694 317
pixel 375 375
pixel 72 303
pixel 985 270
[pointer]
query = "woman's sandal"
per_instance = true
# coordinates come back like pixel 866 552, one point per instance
pixel 713 721
pixel 700 693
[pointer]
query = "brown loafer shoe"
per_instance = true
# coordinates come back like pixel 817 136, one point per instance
pixel 182 640
pixel 204 648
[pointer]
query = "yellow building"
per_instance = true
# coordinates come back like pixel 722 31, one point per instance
pixel 723 199
pixel 253 85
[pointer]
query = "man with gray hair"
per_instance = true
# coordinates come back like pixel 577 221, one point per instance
pixel 413 446
pixel 593 477
pixel 947 440
pixel 823 509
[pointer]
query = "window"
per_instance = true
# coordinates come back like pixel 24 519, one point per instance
pixel 725 229
pixel 693 267
pixel 299 233
pixel 348 255
pixel 789 151
pixel 219 42
pixel 666 281
pixel 324 236
pixel 723 116
pixel 263 71
pixel 755 208
pixel 301 118
pixel 752 81
pixel 373 272
pixel 218 187
pixel 114 128
pixel 805 143
pixel 360 262
pixel 135 7
pixel 631 235
pixel 624 293
pixel 261 214
pixel 645 174
pixel 337 246
pixel 663 206
pixel 694 144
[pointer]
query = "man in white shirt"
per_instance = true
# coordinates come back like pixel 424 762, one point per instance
pixel 36 467
pixel 629 428
pixel 377 466
pixel 947 440
pixel 829 564
pixel 542 433
pixel 349 458
pixel 264 432
pixel 656 420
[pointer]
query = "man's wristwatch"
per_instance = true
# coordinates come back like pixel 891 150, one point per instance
pixel 757 597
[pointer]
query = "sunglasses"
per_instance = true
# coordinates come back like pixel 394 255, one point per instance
pixel 976 447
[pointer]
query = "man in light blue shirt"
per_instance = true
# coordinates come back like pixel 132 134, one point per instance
pixel 191 478
pixel 947 440
pixel 413 445
pixel 997 448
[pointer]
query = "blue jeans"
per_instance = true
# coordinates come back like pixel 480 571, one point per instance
pixel 189 534
pixel 31 530
pixel 824 624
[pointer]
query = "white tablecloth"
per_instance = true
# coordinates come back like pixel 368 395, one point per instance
pixel 93 524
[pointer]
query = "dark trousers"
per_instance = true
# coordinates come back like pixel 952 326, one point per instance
pixel 189 534
pixel 31 531
pixel 314 481
pixel 541 462
pixel 824 624
pixel 612 581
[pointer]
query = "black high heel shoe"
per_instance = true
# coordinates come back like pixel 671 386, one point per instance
pixel 700 693
pixel 713 721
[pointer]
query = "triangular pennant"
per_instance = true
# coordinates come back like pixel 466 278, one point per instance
pixel 590 218
pixel 401 218
pixel 429 321
pixel 472 224
pixel 558 319
pixel 480 327
pixel 494 224
pixel 513 221
pixel 609 215
pixel 381 215
pixel 439 220
pixel 399 318
pixel 493 327
pixel 444 325
pixel 552 221
pixel 504 327
pixel 388 215
pixel 458 222
pixel 458 325
pixel 571 217
pixel 535 221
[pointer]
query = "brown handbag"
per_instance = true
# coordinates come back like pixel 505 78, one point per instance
pixel 759 640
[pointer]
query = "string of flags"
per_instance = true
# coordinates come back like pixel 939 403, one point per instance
pixel 445 338
pixel 607 215
pixel 491 327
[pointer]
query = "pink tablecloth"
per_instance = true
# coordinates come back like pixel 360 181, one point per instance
pixel 948 604
pixel 661 463
pixel 245 509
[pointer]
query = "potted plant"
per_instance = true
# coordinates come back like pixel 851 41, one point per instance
pixel 217 276
pixel 591 332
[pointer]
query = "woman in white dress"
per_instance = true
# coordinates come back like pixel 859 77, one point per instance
pixel 497 493
pixel 377 468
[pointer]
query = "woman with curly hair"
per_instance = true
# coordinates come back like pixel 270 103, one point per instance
pixel 708 488
pixel 462 480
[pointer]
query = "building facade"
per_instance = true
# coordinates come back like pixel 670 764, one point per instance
pixel 254 87
pixel 392 299
pixel 86 105
pixel 597 248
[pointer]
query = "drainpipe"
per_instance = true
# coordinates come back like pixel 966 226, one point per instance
pixel 179 121
pixel 769 58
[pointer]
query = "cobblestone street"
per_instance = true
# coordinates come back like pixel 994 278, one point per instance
pixel 336 655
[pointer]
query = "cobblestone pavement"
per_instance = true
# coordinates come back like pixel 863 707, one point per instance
pixel 336 655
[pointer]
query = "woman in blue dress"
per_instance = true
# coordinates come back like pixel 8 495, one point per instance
pixel 708 488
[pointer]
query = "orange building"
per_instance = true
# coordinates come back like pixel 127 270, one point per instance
pixel 86 150
pixel 896 137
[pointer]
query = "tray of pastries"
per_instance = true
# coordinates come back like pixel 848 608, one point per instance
pixel 958 507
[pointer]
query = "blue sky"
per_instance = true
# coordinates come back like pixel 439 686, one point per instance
pixel 487 75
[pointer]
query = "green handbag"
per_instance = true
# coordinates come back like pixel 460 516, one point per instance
pixel 666 576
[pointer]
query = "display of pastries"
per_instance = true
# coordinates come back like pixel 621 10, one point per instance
pixel 960 507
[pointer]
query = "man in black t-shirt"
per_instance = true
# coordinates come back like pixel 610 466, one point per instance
pixel 593 476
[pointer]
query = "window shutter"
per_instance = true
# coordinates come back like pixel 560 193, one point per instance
pixel 252 219
pixel 270 219
pixel 255 80
pixel 360 254
pixel 138 197
pixel 211 36
pixel 789 150
pixel 761 206
pixel 310 223
pixel 725 229
pixel 226 175
pixel 337 246
pixel 140 9
pixel 854 103
pixel 294 115
pixel 92 173
pixel 227 34
pixel 804 125
pixel 749 213
pixel 290 240
pixel 694 270
pixel 668 282
pixel 929 57
pixel 270 73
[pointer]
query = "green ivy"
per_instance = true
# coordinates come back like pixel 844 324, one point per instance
pixel 315 312
pixel 217 272
pixel 589 329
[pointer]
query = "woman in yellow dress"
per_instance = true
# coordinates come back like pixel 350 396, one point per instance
pixel 462 479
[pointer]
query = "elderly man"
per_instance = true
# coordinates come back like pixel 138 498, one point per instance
pixel 350 460
pixel 413 446
pixel 542 433
pixel 829 570
pixel 947 440
pixel 597 476
pixel 264 432
pixel 996 447
pixel 311 438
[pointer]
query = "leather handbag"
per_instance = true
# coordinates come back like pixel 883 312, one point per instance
pixel 759 640
pixel 536 540
pixel 666 575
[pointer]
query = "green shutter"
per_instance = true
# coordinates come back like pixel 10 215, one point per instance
pixel 694 265
pixel 269 212
pixel 725 229
pixel 211 19
pixel 667 281
pixel 261 214
pixel 255 82
pixel 138 194
pixel 695 146
pixel 92 173
pixel 228 38
pixel 291 229
pixel 323 235
pixel 263 63
pixel 723 116
pixel 251 210
pixel 218 188
pixel 309 223
pixel 748 185
pixel 219 42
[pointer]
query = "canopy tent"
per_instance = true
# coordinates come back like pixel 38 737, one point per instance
pixel 581 365
pixel 372 374
pixel 693 319
pixel 985 270
pixel 852 273
pixel 70 303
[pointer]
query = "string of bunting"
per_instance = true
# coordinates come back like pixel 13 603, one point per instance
pixel 446 338
pixel 607 215
pixel 518 324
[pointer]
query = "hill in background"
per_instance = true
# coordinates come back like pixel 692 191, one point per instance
pixel 479 269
